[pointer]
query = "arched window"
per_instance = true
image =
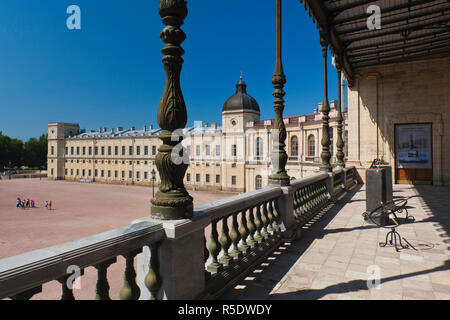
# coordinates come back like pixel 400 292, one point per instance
pixel 258 182
pixel 259 147
pixel 311 146
pixel 294 146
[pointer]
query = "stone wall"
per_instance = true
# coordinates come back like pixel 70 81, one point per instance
pixel 407 92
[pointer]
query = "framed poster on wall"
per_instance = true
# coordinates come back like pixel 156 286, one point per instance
pixel 413 146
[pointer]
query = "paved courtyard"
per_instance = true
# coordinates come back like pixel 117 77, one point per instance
pixel 332 259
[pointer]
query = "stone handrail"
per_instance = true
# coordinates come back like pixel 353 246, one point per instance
pixel 22 276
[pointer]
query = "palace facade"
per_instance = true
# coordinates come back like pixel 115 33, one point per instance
pixel 233 157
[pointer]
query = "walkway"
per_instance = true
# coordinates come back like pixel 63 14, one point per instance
pixel 331 259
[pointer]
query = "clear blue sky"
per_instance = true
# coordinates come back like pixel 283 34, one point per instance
pixel 109 73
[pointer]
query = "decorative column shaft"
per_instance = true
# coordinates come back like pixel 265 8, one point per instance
pixel 340 142
pixel 172 201
pixel 279 155
pixel 325 155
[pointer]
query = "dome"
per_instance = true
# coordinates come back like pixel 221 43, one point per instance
pixel 240 100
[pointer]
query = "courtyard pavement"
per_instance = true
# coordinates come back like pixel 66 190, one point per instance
pixel 79 210
pixel 338 252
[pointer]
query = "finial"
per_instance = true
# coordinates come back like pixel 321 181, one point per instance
pixel 241 75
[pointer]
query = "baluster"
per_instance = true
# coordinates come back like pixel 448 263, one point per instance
pixel 308 198
pixel 296 204
pixel 259 234
pixel 27 295
pixel 102 287
pixel 225 242
pixel 251 228
pixel 269 218
pixel 275 216
pixel 302 202
pixel 235 237
pixel 206 256
pixel 67 293
pixel 265 221
pixel 243 230
pixel 130 290
pixel 153 279
pixel 214 249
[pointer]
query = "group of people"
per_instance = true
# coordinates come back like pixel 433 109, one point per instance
pixel 31 204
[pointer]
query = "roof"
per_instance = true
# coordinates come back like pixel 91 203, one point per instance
pixel 409 29
pixel 241 100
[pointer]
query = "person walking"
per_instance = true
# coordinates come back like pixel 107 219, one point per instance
pixel 46 204
pixel 18 202
pixel 50 204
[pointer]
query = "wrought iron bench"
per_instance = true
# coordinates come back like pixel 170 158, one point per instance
pixel 389 212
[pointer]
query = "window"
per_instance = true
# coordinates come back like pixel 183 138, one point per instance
pixel 233 165
pixel 90 150
pixel 71 172
pixel 207 150
pixel 78 151
pixel 103 173
pixel 89 173
pixel 103 151
pixel 96 172
pixel 51 171
pixel 123 174
pixel 71 150
pixel 153 150
pixel 258 182
pixel 65 172
pixel 52 150
pixel 311 146
pixel 130 150
pixel 138 150
pixel 197 177
pixel 109 173
pixel 294 146
pixel 109 150
pixel 188 177
pixel 233 180
pixel 130 174
pixel 116 150
pixel 233 150
pixel 217 178
pixel 218 150
pixel 197 150
pixel 123 150
pixel 145 175
pixel 83 172
pixel 145 150
pixel 259 147
pixel 67 150
pixel 138 174
pixel 207 178
pixel 115 173
pixel 84 151
pixel 96 150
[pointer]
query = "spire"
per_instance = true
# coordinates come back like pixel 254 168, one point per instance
pixel 241 87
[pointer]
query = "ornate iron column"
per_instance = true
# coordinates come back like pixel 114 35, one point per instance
pixel 279 155
pixel 172 201
pixel 340 142
pixel 325 155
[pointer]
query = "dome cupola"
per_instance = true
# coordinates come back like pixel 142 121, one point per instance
pixel 240 100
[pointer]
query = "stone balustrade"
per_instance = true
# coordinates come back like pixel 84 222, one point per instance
pixel 196 258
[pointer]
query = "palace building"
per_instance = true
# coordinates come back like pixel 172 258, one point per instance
pixel 233 157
